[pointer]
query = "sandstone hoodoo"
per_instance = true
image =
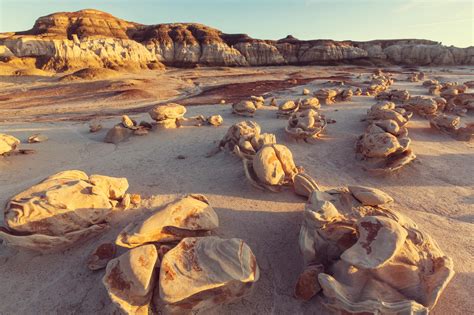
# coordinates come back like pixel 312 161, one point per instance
pixel 91 38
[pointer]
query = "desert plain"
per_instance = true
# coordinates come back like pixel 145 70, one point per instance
pixel 436 190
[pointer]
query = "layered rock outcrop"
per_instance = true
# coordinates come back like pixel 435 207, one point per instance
pixel 73 39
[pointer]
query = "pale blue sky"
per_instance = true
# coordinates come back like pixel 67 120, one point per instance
pixel 447 21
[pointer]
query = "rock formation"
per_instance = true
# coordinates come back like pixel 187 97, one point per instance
pixel 363 257
pixel 61 209
pixel 93 38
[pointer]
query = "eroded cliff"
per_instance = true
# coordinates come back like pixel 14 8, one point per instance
pixel 93 38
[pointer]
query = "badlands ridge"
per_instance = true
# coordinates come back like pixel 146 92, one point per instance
pixel 69 40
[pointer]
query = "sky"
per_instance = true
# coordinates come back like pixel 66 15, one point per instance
pixel 448 21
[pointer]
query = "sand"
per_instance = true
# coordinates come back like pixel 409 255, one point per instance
pixel 436 191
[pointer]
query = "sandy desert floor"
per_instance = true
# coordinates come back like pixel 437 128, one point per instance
pixel 436 191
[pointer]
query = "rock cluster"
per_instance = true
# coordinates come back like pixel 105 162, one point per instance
pixel 385 143
pixel 244 139
pixel 306 125
pixel 362 257
pixel 173 265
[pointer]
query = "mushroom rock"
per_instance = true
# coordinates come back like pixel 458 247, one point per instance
pixel 167 115
pixel 130 279
pixel 370 259
pixel 61 209
pixel 189 216
pixel 8 143
pixel 201 273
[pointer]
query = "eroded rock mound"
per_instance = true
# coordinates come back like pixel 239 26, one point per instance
pixel 363 257
pixel 307 125
pixel 244 139
pixel 200 273
pixel 61 209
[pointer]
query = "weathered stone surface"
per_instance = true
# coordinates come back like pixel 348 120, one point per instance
pixel 201 273
pixel 189 216
pixel 371 259
pixel 61 209
pixel 307 285
pixel 101 256
pixel 130 279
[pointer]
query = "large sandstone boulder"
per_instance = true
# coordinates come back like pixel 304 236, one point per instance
pixel 189 216
pixel 8 143
pixel 61 209
pixel 200 273
pixel 362 257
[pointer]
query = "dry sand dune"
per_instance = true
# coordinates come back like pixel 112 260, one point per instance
pixel 436 191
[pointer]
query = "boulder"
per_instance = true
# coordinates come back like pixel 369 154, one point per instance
pixel 201 273
pixel 61 209
pixel 189 216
